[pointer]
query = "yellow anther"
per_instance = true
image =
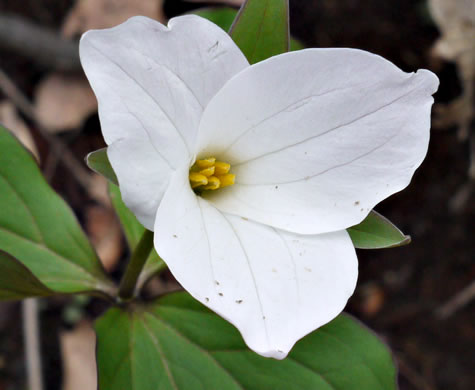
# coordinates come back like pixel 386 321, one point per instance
pixel 208 171
pixel 205 163
pixel 197 179
pixel 209 174
pixel 221 168
pixel 226 180
pixel 213 183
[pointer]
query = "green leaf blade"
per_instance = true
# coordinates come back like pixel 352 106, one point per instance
pixel 99 162
pixel 133 231
pixel 114 373
pixel 17 282
pixel 261 29
pixel 224 17
pixel 40 230
pixel 377 232
pixel 150 339
pixel 189 347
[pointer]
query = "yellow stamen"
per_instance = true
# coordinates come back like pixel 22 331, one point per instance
pixel 205 163
pixel 221 168
pixel 226 180
pixel 213 183
pixel 209 174
pixel 208 171
pixel 197 179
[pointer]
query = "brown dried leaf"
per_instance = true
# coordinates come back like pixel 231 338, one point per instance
pixel 456 22
pixel 105 233
pixel 92 14
pixel 160 286
pixel 11 120
pixel 79 360
pixel 372 299
pixel 63 102
pixel 99 190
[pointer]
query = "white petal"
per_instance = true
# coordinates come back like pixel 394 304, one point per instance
pixel 274 286
pixel 143 177
pixel 161 76
pixel 152 82
pixel 317 138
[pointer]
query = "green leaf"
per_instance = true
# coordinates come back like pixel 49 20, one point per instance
pixel 176 343
pixel 377 232
pixel 39 229
pixel 132 228
pixel 296 45
pixel 17 282
pixel 224 17
pixel 133 232
pixel 99 163
pixel 261 29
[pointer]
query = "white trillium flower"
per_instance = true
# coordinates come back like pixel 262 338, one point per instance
pixel 312 140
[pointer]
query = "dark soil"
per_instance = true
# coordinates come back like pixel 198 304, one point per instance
pixel 399 289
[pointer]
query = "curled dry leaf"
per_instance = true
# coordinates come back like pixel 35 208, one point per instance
pixel 11 120
pixel 456 22
pixel 94 14
pixel 105 233
pixel 78 351
pixel 63 102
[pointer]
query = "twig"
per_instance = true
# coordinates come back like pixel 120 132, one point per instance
pixel 41 45
pixel 412 376
pixel 461 198
pixel 460 300
pixel 57 146
pixel 31 336
pixel 471 169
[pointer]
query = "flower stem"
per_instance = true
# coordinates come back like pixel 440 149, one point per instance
pixel 135 266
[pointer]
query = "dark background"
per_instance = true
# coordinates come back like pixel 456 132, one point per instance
pixel 400 290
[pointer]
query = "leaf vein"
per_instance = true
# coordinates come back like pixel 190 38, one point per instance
pixel 207 353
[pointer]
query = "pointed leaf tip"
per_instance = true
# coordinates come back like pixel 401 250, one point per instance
pixel 261 29
pixel 99 162
pixel 17 281
pixel 377 232
pixel 39 229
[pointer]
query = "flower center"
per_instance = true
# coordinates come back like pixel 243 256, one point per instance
pixel 209 174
